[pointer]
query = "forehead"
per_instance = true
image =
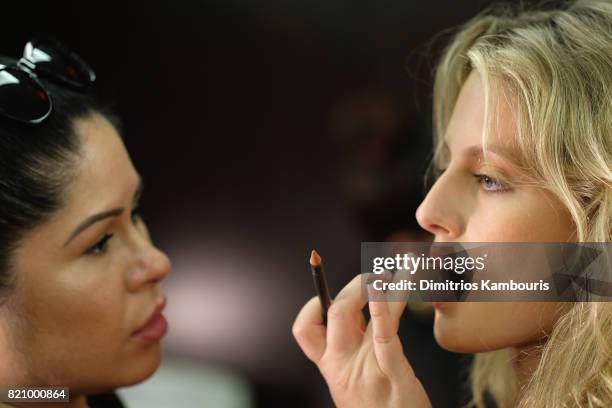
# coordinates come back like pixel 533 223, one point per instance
pixel 467 124
pixel 105 173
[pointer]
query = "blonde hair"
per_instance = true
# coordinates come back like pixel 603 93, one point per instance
pixel 556 66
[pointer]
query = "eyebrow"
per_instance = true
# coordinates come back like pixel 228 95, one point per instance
pixel 89 221
pixel 502 152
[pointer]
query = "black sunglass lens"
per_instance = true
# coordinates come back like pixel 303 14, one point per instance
pixel 21 97
pixel 55 60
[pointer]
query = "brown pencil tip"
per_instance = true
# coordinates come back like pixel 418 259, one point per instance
pixel 315 259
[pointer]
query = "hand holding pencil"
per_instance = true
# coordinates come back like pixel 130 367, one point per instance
pixel 363 365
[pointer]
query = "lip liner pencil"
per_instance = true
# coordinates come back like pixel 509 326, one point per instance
pixel 320 283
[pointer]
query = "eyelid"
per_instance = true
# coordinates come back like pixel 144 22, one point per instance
pixel 504 186
pixel 493 171
pixel 107 236
pixel 91 251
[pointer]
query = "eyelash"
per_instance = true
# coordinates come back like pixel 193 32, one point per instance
pixel 483 178
pixel 99 248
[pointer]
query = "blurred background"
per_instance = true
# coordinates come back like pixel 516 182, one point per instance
pixel 264 129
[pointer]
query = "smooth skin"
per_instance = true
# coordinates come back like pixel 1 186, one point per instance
pixel 474 200
pixel 78 298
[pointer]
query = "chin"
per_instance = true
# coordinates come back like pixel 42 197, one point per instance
pixel 453 336
pixel 447 341
pixel 127 370
pixel 142 366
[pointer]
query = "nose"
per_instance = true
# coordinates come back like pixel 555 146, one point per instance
pixel 440 211
pixel 150 267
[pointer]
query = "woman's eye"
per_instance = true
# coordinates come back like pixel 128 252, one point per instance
pixel 491 184
pixel 100 247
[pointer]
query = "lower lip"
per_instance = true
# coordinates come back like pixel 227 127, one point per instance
pixel 153 331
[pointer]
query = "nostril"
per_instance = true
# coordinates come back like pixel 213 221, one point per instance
pixel 426 222
pixel 438 230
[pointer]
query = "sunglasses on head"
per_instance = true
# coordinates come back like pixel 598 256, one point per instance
pixel 22 96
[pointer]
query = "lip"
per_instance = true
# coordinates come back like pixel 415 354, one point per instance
pixel 156 325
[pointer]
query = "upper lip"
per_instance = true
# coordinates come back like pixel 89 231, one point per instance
pixel 160 304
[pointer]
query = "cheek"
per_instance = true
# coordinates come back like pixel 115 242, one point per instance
pixel 77 322
pixel 474 327
pixel 87 299
pixel 78 329
pixel 500 219
pixel 527 215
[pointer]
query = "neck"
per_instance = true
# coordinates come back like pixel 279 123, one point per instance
pixel 76 401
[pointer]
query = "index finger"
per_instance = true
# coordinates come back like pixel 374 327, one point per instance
pixel 387 345
pixel 395 300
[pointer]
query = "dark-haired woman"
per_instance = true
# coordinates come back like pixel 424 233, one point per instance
pixel 81 301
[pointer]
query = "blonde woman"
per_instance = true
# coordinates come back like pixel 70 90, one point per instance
pixel 523 121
